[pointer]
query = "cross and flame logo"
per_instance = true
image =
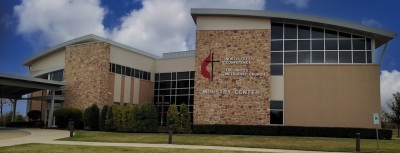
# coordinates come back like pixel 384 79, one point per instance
pixel 209 59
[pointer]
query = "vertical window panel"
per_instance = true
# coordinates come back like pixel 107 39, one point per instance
pixel 304 57
pixel 290 31
pixel 317 56
pixel 345 57
pixel 304 32
pixel 276 31
pixel 331 57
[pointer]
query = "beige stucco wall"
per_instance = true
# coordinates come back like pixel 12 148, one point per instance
pixel 174 65
pixel 277 87
pixel 131 59
pixel 331 95
pixel 117 87
pixel 231 23
pixel 54 60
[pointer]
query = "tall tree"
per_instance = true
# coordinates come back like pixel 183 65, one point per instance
pixel 394 115
pixel 3 102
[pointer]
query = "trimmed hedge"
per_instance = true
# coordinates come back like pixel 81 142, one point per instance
pixel 64 114
pixel 34 115
pixel 32 124
pixel 292 131
pixel 91 117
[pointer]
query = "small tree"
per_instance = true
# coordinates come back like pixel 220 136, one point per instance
pixel 102 119
pixel 394 115
pixel 185 119
pixel 20 118
pixel 3 103
pixel 34 115
pixel 109 123
pixel 173 120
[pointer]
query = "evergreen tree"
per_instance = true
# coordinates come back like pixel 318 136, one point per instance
pixel 125 118
pixel 147 118
pixel 394 106
pixel 185 119
pixel 173 121
pixel 102 119
pixel 133 119
pixel 117 117
pixel 94 117
pixel 109 123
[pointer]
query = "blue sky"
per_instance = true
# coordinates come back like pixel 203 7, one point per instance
pixel 28 27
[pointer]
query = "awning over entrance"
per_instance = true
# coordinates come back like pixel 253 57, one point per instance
pixel 14 87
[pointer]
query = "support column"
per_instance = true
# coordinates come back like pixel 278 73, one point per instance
pixel 50 120
pixel 14 110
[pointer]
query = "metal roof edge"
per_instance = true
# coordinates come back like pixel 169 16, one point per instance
pixel 31 79
pixel 83 38
pixel 271 14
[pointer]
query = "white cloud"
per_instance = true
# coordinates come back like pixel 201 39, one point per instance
pixel 371 23
pixel 160 26
pixel 156 28
pixel 390 83
pixel 300 4
pixel 47 22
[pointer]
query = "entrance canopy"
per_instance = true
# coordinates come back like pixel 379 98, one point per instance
pixel 14 87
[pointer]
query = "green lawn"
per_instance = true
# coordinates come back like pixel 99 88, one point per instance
pixel 296 143
pixel 53 148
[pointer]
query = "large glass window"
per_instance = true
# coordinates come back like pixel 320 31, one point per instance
pixel 128 71
pixel 276 112
pixel 307 44
pixel 173 88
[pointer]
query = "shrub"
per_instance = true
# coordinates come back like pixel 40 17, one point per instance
pixel 86 115
pixel 185 119
pixel 117 116
pixel 125 118
pixel 34 115
pixel 102 119
pixel 20 118
pixel 109 123
pixel 7 118
pixel 64 114
pixel 91 117
pixel 31 124
pixel 173 121
pixel 133 122
pixel 292 131
pixel 147 118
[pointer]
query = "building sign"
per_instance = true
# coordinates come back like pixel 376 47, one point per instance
pixel 232 77
pixel 376 118
pixel 229 72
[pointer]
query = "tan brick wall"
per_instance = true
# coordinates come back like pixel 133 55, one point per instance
pixel 146 92
pixel 87 73
pixel 251 109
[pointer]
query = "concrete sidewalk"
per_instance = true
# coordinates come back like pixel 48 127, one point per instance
pixel 49 136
